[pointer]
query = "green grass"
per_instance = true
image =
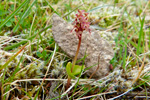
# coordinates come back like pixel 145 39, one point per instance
pixel 29 23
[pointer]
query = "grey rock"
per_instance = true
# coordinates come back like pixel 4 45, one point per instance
pixel 94 46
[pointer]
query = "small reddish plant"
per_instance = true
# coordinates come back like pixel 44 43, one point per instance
pixel 80 24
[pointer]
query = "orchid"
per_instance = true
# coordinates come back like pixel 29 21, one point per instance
pixel 80 24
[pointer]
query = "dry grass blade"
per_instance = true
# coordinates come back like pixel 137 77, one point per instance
pixel 87 97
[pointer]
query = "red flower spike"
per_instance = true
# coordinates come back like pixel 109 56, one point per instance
pixel 81 23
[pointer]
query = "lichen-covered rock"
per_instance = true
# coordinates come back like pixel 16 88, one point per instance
pixel 92 44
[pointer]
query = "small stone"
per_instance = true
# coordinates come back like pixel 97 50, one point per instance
pixel 92 44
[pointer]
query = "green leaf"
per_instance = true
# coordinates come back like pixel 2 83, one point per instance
pixel 44 53
pixel 2 13
pixel 76 71
pixel 38 54
pixel 68 69
pixel 8 24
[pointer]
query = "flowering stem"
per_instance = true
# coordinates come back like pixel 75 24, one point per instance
pixel 73 64
pixel 81 24
pixel 75 58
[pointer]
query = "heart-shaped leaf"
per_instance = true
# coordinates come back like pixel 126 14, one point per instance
pixel 76 71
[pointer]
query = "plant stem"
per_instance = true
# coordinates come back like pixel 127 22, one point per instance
pixel 73 64
pixel 75 58
pixel 68 82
